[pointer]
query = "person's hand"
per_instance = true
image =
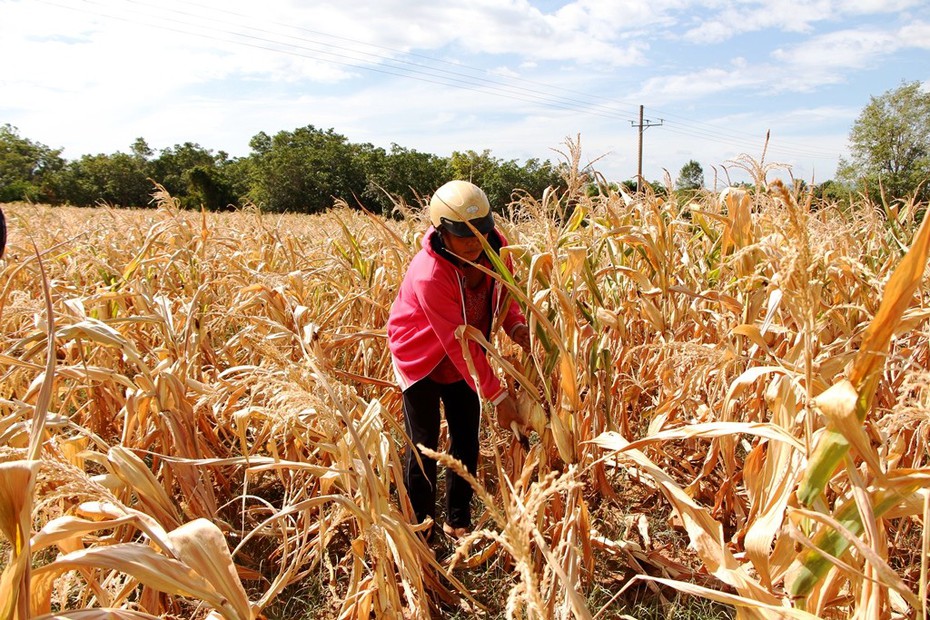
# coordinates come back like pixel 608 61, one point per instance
pixel 521 336
pixel 508 416
pixel 507 413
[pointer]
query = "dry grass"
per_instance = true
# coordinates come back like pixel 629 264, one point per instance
pixel 212 431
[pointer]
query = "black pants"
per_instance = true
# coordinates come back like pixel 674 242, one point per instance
pixel 421 415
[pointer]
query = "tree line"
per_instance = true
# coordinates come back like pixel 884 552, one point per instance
pixel 305 171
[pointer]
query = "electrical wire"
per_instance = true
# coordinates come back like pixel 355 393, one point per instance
pixel 397 64
pixel 609 105
pixel 311 49
pixel 739 135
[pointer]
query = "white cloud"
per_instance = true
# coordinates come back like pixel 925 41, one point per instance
pixel 605 19
pixel 694 85
pixel 732 21
pixel 582 31
pixel 813 63
pixel 870 7
pixel 571 35
pixel 916 34
pixel 734 18
pixel 842 49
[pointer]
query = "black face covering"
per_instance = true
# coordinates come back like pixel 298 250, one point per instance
pixel 460 229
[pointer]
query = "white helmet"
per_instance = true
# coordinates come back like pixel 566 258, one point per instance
pixel 458 202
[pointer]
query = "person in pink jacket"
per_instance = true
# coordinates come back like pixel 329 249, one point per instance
pixel 442 290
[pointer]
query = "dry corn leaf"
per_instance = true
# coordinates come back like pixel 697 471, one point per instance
pixel 108 511
pixel 14 604
pixel 65 528
pixel 896 297
pixel 17 479
pixel 778 480
pixel 464 333
pixel 134 472
pixel 37 435
pixel 744 605
pixel 705 533
pixel 201 545
pixel 574 262
pixel 839 405
pixel 540 269
pixel 97 331
pixel 887 576
pixel 646 287
pixel 17 482
pixel 753 333
pixel 562 436
pixel 568 382
pixel 97 614
pixel 746 379
pixel 653 314
pixel 148 567
pixel 720 429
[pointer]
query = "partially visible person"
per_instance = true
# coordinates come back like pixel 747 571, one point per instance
pixel 442 290
pixel 2 233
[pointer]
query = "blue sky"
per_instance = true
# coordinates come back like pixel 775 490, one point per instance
pixel 515 77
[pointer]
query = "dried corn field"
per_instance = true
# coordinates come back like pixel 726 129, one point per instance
pixel 721 388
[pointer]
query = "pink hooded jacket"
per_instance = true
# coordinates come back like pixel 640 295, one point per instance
pixel 429 308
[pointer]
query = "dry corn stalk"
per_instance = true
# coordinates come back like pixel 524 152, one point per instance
pixel 17 480
pixel 186 340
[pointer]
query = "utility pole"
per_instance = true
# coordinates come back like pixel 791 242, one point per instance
pixel 642 126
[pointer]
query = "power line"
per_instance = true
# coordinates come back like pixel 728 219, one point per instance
pixel 394 51
pixel 309 48
pixel 342 55
pixel 747 144
pixel 718 131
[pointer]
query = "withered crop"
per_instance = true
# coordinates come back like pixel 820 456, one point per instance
pixel 197 411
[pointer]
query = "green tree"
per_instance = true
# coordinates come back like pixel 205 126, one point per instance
pixel 407 174
pixel 197 177
pixel 500 179
pixel 236 174
pixel 890 145
pixel 369 162
pixel 690 177
pixel 119 179
pixel 656 187
pixel 534 176
pixel 304 170
pixel 209 187
pixel 141 149
pixel 833 192
pixel 172 169
pixel 27 169
pixel 478 168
